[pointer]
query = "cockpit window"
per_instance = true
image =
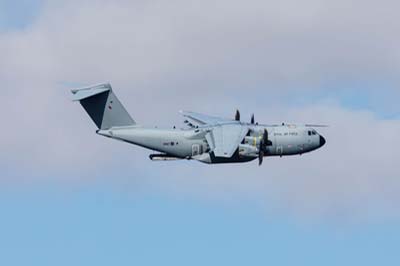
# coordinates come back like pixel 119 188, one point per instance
pixel 314 132
pixel 309 133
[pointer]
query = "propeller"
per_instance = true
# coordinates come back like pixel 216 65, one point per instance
pixel 237 115
pixel 263 147
pixel 188 123
pixel 252 119
pixel 260 157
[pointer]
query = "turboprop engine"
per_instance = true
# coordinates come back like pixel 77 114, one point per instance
pixel 255 146
pixel 247 150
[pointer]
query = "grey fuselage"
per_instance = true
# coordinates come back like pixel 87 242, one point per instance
pixel 192 144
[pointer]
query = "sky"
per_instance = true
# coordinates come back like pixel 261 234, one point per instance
pixel 68 196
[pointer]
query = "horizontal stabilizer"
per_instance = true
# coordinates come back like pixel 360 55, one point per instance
pixel 86 92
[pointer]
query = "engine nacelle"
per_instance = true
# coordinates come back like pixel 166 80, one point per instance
pixel 248 150
pixel 252 141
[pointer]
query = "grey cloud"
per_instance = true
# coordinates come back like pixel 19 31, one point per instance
pixel 291 43
pixel 211 57
pixel 352 179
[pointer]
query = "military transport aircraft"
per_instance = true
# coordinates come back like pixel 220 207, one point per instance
pixel 206 139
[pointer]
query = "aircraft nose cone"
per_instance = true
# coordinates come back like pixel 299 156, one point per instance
pixel 322 141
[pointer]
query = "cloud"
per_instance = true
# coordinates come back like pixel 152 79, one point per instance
pixel 212 57
pixel 351 179
pixel 290 43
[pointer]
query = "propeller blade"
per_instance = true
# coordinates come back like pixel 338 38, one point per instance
pixel 260 157
pixel 265 137
pixel 237 115
pixel 252 119
pixel 264 142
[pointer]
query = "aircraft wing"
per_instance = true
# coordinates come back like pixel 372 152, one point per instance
pixel 201 119
pixel 225 139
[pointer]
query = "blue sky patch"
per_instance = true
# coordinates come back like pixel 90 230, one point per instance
pixel 17 15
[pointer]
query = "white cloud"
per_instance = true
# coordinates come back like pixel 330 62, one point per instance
pixel 209 56
pixel 353 178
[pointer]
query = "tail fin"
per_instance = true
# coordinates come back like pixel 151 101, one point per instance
pixel 103 106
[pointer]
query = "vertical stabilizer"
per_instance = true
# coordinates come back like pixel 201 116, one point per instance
pixel 103 106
